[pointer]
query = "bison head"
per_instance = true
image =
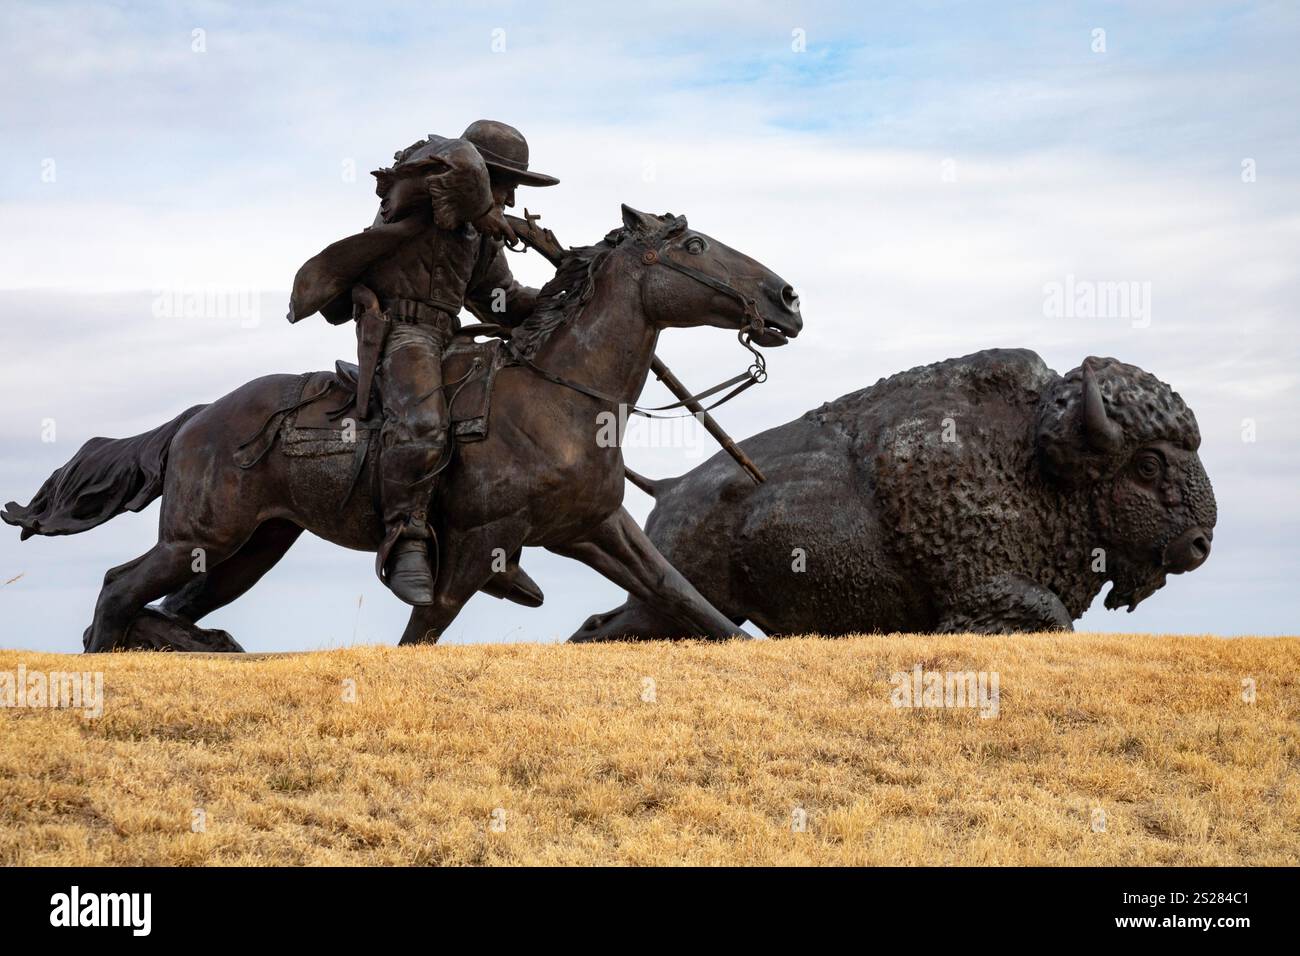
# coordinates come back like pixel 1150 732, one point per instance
pixel 1126 439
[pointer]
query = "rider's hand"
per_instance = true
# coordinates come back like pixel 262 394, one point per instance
pixel 365 299
pixel 493 223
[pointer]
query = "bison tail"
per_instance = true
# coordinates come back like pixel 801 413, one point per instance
pixel 105 478
pixel 650 486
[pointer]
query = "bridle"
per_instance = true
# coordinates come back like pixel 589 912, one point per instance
pixel 756 374
pixel 754 320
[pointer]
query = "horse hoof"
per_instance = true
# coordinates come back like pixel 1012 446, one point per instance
pixel 523 589
pixel 155 630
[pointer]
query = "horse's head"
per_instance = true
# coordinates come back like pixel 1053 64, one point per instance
pixel 689 279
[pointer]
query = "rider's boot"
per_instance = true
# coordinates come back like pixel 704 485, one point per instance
pixel 406 491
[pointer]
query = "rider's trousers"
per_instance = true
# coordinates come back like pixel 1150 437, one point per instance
pixel 413 438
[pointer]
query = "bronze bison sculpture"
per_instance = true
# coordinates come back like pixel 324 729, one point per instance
pixel 985 493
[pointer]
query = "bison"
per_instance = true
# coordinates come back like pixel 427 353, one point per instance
pixel 980 494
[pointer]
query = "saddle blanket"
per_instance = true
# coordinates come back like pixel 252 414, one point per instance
pixel 313 416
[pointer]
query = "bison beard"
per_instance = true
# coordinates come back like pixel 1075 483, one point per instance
pixel 1132 588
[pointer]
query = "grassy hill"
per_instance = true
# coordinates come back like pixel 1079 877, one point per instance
pixel 1105 749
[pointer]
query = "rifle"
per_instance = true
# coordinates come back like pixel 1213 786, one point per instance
pixel 543 240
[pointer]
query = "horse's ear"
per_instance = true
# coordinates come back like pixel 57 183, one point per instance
pixel 383 181
pixel 637 221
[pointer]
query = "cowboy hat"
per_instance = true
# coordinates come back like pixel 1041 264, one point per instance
pixel 505 151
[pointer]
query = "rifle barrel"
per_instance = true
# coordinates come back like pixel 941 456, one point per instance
pixel 674 385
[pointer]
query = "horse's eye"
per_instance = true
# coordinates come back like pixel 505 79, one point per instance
pixel 695 245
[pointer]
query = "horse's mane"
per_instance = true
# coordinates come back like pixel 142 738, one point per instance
pixel 563 297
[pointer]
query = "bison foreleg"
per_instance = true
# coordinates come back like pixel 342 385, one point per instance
pixel 1005 604
pixel 631 620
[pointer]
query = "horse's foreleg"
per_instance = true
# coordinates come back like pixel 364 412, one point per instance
pixel 466 563
pixel 619 550
pixel 232 577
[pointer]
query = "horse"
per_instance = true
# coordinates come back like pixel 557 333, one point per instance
pixel 541 477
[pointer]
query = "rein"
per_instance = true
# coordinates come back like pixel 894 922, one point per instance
pixel 756 374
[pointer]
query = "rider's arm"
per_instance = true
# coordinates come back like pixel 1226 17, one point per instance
pixel 495 295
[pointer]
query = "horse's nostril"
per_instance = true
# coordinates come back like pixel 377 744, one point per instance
pixel 789 299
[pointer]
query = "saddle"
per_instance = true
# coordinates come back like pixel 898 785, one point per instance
pixel 312 418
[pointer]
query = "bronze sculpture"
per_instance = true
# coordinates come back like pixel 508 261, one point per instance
pixel 907 503
pixel 241 478
pixel 435 246
pixel 985 493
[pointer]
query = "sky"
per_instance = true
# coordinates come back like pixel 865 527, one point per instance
pixel 924 174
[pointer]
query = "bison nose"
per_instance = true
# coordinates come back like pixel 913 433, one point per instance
pixel 1188 551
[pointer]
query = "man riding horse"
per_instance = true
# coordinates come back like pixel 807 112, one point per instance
pixel 435 246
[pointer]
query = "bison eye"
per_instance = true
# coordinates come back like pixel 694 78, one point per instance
pixel 1148 466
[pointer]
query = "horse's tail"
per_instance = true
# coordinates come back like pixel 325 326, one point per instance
pixel 651 486
pixel 105 478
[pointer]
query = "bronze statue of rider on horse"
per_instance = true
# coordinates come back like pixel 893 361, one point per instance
pixel 241 477
pixel 436 246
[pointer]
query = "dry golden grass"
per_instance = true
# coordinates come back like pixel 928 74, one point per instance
pixel 1152 730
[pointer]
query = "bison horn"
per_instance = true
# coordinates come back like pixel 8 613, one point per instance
pixel 1103 434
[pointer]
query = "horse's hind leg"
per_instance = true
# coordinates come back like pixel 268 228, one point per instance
pixel 129 587
pixel 225 582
